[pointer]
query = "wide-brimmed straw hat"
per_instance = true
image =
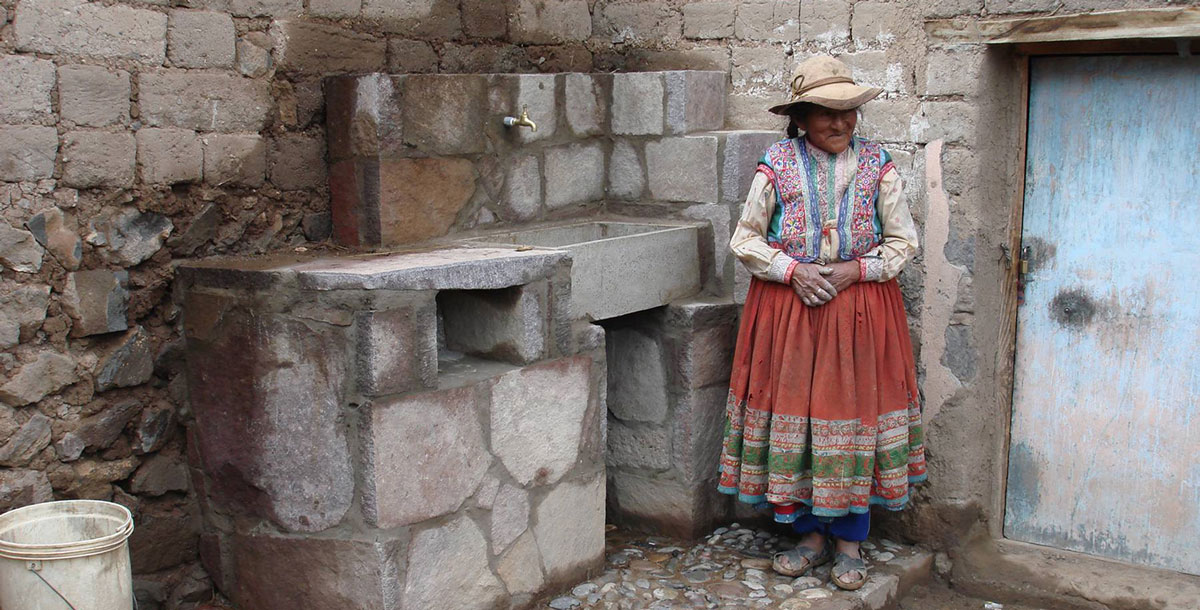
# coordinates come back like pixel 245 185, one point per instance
pixel 825 81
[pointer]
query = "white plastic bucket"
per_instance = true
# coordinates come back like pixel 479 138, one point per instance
pixel 63 555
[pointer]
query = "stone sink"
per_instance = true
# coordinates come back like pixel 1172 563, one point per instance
pixel 619 267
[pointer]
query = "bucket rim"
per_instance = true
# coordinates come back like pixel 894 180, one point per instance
pixel 66 550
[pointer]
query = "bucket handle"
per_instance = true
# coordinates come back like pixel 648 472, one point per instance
pixel 36 568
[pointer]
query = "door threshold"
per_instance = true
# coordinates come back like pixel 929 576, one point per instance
pixel 1020 572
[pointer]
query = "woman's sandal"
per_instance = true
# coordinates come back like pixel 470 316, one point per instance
pixel 812 558
pixel 844 564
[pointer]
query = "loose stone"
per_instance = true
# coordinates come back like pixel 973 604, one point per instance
pixel 755 586
pixel 584 589
pixel 885 556
pixel 757 594
pixel 662 593
pixel 783 589
pixel 642 583
pixel 720 530
pixel 564 603
pixel 806 582
pixel 756 564
pixel 814 594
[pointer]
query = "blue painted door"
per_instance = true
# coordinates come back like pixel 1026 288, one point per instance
pixel 1105 453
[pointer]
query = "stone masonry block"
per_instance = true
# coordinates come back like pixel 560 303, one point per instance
pixel 317 48
pixel 550 21
pixel 315 573
pixel 876 23
pixel 953 122
pixel 484 19
pixel 875 69
pixel 419 199
pixel 586 104
pixel 203 101
pixel 941 9
pixel 825 23
pixel 739 158
pixel 25 86
pixel 436 19
pixel 22 311
pixel 637 103
pixel 335 9
pixel 435 434
pixel 245 369
pixel 89 29
pixel 522 195
pixel 27 152
pixel 397 347
pixel 510 325
pixel 200 39
pixel 574 174
pixel 445 112
pixel 637 378
pixel 96 301
pixel 719 216
pixel 776 20
pixel 953 71
pixel 708 20
pixel 888 120
pixel 448 568
pixel 570 528
pixel 169 156
pixel 98 158
pixel 695 101
pixel 234 159
pixel 697 431
pixel 667 506
pixel 298 162
pixel 756 69
pixel 537 419
pixel 626 172
pixel 683 169
pixel 266 8
pixel 639 22
pixel 538 93
pixel 638 445
pixel 93 96
pixel 411 57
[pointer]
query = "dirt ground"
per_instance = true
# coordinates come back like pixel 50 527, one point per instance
pixel 937 595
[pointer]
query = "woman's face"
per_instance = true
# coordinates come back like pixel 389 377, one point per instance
pixel 828 129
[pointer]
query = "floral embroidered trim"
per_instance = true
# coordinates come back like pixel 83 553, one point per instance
pixel 870 268
pixel 781 268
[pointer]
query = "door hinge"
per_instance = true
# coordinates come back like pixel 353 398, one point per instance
pixel 1022 274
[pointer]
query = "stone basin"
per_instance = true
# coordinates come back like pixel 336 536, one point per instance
pixel 619 267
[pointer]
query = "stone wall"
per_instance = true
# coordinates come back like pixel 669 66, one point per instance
pixel 136 134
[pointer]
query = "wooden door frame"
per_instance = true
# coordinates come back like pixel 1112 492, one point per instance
pixel 1124 32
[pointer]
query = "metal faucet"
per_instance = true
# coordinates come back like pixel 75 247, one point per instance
pixel 520 122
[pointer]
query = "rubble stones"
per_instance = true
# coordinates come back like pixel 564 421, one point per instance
pixel 131 363
pixel 62 243
pixel 93 96
pixel 22 310
pixel 130 236
pixel 537 419
pixel 96 301
pixel 510 517
pixel 49 372
pixel 25 88
pixel 158 475
pixel 98 158
pixel 31 438
pixel 448 568
pixel 97 431
pixel 23 487
pixel 154 428
pixel 27 153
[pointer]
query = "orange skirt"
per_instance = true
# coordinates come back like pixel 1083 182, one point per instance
pixel 823 406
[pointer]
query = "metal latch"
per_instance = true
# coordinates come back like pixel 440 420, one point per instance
pixel 1022 274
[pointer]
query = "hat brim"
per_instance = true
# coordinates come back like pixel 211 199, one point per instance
pixel 838 96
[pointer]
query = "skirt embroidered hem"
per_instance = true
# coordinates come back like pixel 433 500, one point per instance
pixel 823 406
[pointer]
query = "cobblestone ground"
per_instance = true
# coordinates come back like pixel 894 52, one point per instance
pixel 729 569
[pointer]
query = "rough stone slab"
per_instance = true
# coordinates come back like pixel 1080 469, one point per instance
pixel 200 39
pixel 537 419
pixel 695 100
pixel 420 199
pixel 19 249
pixel 683 169
pixel 88 29
pixel 708 20
pixel 697 432
pixel 203 100
pixel 27 152
pixel 234 159
pixel 316 48
pixel 776 20
pixel 23 487
pixel 49 372
pixel 717 215
pixel 574 174
pixel 550 21
pixel 264 368
pixel 93 96
pixel 252 60
pixel 98 158
pixel 31 438
pixel 25 88
pixel 160 474
pixel 298 162
pixel 448 568
pixel 316 573
pixel 425 455
pixel 521 566
pixel 169 156
pixel 96 301
pixel 510 517
pixel 523 187
pixel 130 363
pixel 444 113
pixel 637 103
pixel 570 528
pixel 739 158
pixel 586 104
pixel 22 310
pixel 508 325
pixel 397 348
pixel 638 445
pixel 637 379
pixel 638 23
pixel 626 172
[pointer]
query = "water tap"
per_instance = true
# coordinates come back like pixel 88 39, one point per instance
pixel 523 121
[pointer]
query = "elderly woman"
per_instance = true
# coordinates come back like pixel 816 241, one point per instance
pixel 823 418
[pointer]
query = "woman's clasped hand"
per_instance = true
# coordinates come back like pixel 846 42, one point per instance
pixel 811 286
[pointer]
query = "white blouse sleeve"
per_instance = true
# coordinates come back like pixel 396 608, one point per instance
pixel 898 244
pixel 749 242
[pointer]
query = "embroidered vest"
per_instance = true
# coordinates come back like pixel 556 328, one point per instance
pixel 858 226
